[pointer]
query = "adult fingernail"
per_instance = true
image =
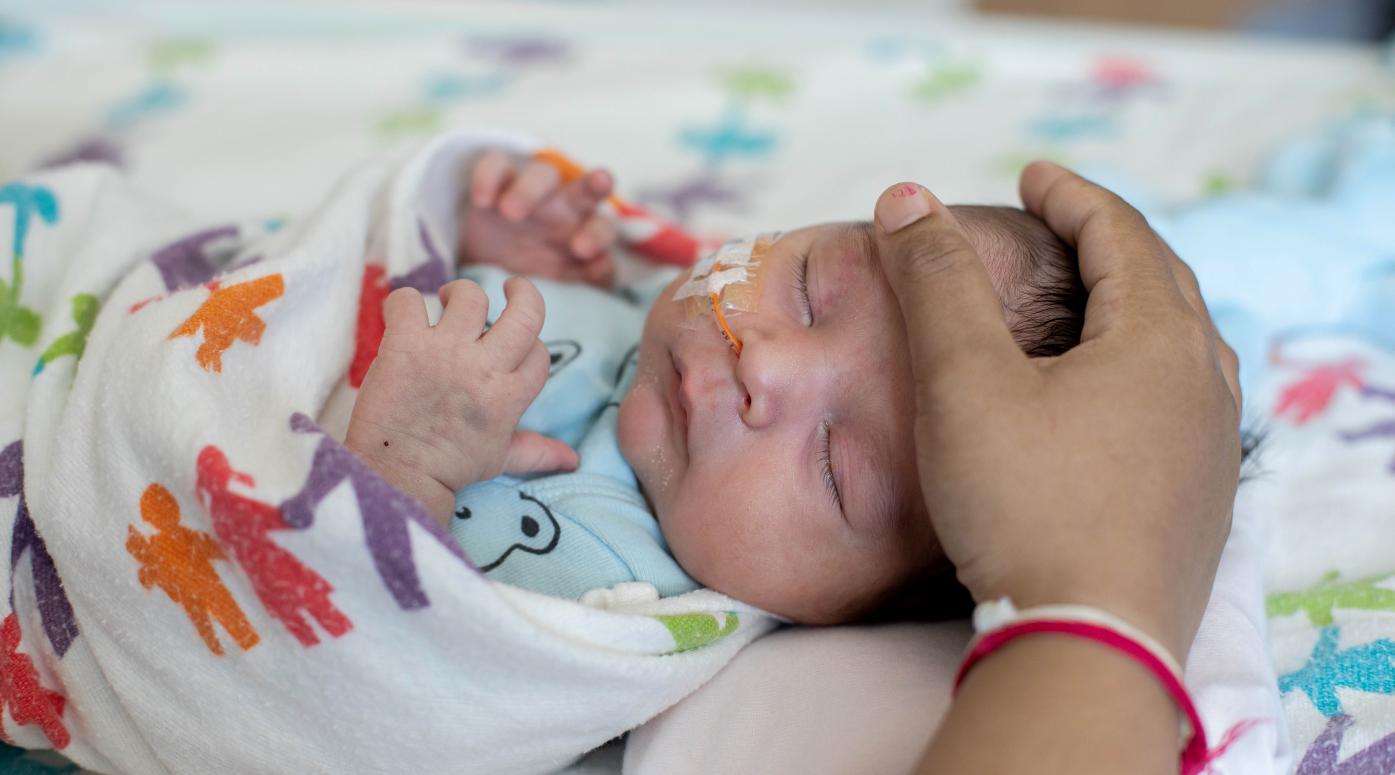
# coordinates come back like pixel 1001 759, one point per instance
pixel 902 205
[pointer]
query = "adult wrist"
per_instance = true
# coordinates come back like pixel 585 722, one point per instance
pixel 999 624
pixel 1150 611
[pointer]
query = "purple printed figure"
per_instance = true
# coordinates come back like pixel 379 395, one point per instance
pixel 1385 428
pixel 1321 759
pixel 97 148
pixel 685 197
pixel 386 513
pixel 429 276
pixel 56 613
pixel 520 51
pixel 1374 391
pixel 1379 430
pixel 186 263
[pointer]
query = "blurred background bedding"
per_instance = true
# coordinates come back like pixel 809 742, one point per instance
pixel 732 119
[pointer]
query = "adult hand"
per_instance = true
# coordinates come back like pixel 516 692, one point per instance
pixel 1101 477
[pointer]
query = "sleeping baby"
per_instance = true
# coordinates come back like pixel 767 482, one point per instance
pixel 743 426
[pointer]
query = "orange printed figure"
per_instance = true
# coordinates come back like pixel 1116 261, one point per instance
pixel 22 694
pixel 230 314
pixel 285 585
pixel 180 561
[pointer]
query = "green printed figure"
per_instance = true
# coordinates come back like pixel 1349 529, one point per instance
pixel 693 631
pixel 418 120
pixel 1217 183
pixel 750 83
pixel 1319 600
pixel 17 322
pixel 945 81
pixel 85 307
pixel 168 55
pixel 1012 162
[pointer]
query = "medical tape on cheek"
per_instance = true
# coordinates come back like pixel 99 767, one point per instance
pixel 725 283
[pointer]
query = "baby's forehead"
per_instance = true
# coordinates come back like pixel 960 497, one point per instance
pixel 844 237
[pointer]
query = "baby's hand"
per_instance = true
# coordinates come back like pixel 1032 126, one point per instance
pixel 520 216
pixel 440 405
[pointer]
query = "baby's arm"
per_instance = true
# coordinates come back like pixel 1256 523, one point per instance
pixel 439 407
pixel 518 214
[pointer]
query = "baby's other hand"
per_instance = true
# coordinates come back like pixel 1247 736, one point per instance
pixel 439 407
pixel 520 216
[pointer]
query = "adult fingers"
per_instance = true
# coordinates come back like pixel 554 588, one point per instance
pixel 516 331
pixel 1123 264
pixel 487 177
pixel 1191 291
pixel 465 308
pixel 533 453
pixel 953 316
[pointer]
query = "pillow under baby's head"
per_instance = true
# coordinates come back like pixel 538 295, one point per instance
pixel 784 473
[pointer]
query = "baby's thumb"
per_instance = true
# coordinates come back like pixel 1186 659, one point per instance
pixel 534 453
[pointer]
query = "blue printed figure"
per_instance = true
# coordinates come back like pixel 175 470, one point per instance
pixel 1369 667
pixel 18 322
pixel 1061 128
pixel 449 87
pixel 17 39
pixel 729 138
pixel 158 97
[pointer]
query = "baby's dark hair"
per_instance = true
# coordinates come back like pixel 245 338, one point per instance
pixel 1042 291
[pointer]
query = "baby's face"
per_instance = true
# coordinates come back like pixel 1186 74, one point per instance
pixel 786 476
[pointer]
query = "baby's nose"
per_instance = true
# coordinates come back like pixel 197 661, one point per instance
pixel 778 378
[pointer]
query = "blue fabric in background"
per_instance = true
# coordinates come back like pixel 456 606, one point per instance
pixel 1308 249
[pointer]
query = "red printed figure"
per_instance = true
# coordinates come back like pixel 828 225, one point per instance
pixel 21 693
pixel 180 561
pixel 1308 396
pixel 228 314
pixel 369 332
pixel 285 586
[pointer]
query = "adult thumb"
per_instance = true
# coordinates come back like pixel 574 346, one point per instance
pixel 534 453
pixel 954 319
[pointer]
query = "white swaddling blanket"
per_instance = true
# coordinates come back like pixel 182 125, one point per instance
pixel 188 548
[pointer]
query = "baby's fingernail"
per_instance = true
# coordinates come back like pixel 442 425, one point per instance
pixel 583 246
pixel 902 205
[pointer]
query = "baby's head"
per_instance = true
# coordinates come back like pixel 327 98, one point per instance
pixel 785 476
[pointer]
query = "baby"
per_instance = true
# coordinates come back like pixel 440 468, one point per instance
pixel 766 453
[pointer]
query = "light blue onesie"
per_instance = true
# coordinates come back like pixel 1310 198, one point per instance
pixel 566 534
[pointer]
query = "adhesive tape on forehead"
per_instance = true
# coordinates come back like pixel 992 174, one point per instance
pixel 728 280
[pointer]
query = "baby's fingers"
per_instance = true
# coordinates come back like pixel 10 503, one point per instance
pixel 571 205
pixel 465 309
pixel 404 312
pixel 594 236
pixel 491 171
pixel 513 335
pixel 537 181
pixel 532 453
